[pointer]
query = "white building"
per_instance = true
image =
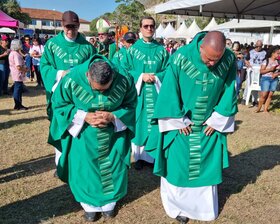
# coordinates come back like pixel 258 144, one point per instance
pixel 50 21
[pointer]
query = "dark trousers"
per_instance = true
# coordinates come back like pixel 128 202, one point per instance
pixel 4 76
pixel 38 75
pixel 18 88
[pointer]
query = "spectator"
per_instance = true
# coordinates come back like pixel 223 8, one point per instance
pixel 36 52
pixel 270 70
pixel 18 72
pixel 4 65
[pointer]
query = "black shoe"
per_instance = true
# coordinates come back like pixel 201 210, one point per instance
pixel 22 108
pixel 139 165
pixel 90 216
pixel 182 219
pixel 109 214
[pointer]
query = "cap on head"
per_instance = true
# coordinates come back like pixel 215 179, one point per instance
pixel 70 18
pixel 129 36
pixel 4 37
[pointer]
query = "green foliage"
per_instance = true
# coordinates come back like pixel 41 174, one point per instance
pixel 128 13
pixel 12 8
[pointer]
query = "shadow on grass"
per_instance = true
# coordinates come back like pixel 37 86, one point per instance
pixel 140 183
pixel 29 168
pixel 245 168
pixel 237 124
pixel 275 103
pixel 59 201
pixel 39 208
pixel 9 124
pixel 31 108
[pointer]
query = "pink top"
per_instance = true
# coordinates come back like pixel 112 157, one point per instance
pixel 269 65
pixel 16 59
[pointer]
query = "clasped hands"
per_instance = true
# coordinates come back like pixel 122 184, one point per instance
pixel 99 119
pixel 188 130
pixel 148 77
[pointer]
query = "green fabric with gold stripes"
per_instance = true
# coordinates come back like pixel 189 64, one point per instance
pixel 192 89
pixel 140 58
pixel 95 163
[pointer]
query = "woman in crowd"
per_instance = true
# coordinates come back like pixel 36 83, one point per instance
pixel 270 70
pixel 18 72
pixel 36 52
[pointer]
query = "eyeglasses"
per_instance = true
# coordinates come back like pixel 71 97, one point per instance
pixel 102 34
pixel 259 46
pixel 71 27
pixel 147 26
pixel 27 39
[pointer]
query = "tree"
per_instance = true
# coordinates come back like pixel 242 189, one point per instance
pixel 12 8
pixel 129 14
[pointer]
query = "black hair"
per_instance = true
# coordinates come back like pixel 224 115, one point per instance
pixel 270 51
pixel 101 72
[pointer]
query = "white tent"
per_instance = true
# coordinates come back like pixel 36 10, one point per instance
pixel 243 9
pixel 193 29
pixel 159 31
pixel 6 30
pixel 182 31
pixel 169 31
pixel 211 24
pixel 246 24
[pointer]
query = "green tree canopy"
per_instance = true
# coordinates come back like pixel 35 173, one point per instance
pixel 12 8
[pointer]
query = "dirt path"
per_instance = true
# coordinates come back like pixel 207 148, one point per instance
pixel 30 194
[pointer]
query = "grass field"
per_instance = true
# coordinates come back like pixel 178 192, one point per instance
pixel 30 194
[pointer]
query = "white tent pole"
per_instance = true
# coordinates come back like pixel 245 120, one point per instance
pixel 270 35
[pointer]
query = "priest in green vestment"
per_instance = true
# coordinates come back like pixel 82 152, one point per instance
pixel 94 119
pixel 146 61
pixel 62 53
pixel 194 112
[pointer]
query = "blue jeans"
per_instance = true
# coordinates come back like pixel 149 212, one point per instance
pixel 18 88
pixel 268 84
pixel 2 77
pixel 6 77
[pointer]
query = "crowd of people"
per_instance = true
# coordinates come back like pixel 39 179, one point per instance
pixel 169 104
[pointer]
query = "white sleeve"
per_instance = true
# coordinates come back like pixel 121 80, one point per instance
pixel 119 125
pixel 58 78
pixel 77 123
pixel 157 84
pixel 138 84
pixel 220 122
pixel 169 124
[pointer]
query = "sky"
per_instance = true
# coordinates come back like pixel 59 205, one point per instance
pixel 86 9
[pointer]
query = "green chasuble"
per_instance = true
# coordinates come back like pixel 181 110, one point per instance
pixel 141 58
pixel 95 163
pixel 60 54
pixel 119 56
pixel 192 89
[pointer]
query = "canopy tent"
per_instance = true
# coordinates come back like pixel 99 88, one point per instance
pixel 6 30
pixel 253 26
pixel 7 21
pixel 169 31
pixel 241 9
pixel 211 24
pixel 246 24
pixel 193 29
pixel 182 31
pixel 159 31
